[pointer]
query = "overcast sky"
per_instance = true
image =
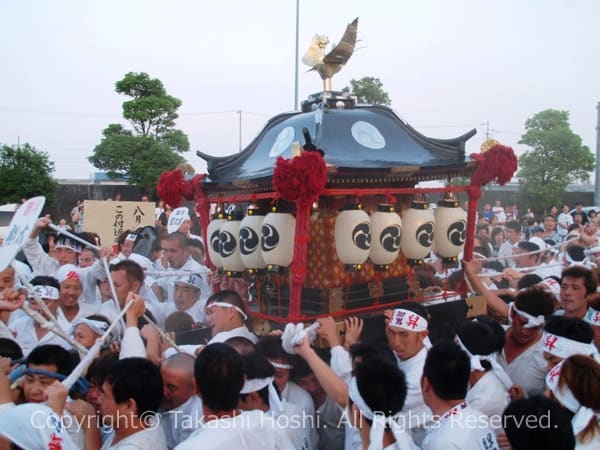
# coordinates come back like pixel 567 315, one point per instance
pixel 448 66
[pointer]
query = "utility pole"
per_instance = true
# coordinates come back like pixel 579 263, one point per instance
pixel 240 129
pixel 597 181
pixel 297 56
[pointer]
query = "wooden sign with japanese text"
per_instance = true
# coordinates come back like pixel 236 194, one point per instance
pixel 110 218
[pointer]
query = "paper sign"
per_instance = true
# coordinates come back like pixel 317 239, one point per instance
pixel 177 217
pixel 19 229
pixel 111 218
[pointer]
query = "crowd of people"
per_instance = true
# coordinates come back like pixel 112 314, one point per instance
pixel 89 357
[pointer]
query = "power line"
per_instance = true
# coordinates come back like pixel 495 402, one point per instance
pixel 55 113
pixel 107 115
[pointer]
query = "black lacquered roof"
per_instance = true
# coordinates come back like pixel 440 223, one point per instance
pixel 363 138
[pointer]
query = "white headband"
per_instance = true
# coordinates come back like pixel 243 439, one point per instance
pixel 256 384
pixel 403 440
pixel 551 285
pixel 97 326
pixel 583 263
pixel 66 242
pixel 67 272
pixel 408 320
pixel 228 305
pixel 45 291
pixel 532 321
pixel 191 279
pixel 593 252
pixel 491 358
pixel 564 347
pixel 281 365
pixel 131 237
pixel 583 414
pixel 592 317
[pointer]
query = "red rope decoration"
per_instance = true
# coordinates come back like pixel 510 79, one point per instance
pixel 300 179
pixel 173 187
pixel 498 163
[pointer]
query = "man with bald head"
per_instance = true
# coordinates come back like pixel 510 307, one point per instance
pixel 181 408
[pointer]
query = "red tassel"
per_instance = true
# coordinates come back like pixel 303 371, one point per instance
pixel 498 163
pixel 300 179
pixel 173 187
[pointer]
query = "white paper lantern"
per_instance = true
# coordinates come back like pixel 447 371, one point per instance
pixel 214 243
pixel 230 250
pixel 353 237
pixel 249 239
pixel 451 229
pixel 277 239
pixel 386 232
pixel 418 232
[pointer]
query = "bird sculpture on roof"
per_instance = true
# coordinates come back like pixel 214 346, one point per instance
pixel 327 65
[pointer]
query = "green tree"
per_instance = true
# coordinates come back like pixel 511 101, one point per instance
pixel 25 172
pixel 557 158
pixel 154 145
pixel 368 90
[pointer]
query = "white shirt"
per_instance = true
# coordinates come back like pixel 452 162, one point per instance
pixel 117 259
pixel 528 369
pixel 163 310
pixel 167 283
pixel 179 423
pixel 290 419
pixel 150 438
pixel 85 309
pixel 330 425
pixel 565 219
pixel 242 331
pixel 44 264
pixel 26 336
pixel 455 430
pixel 249 430
pixel 505 254
pixel 489 396
pixel 415 412
pixel 294 394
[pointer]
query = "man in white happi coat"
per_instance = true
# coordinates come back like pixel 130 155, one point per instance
pixel 226 316
pixel 28 333
pixel 444 384
pixel 376 396
pixel 219 374
pixel 187 297
pixel 71 304
pixel 481 339
pixel 181 408
pixel 270 347
pixel 177 252
pixel 522 357
pixel 130 406
pixel 66 252
pixel 127 276
pixel 406 330
pixel 260 392
pixel 125 244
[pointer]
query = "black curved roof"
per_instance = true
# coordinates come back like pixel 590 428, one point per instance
pixel 360 139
